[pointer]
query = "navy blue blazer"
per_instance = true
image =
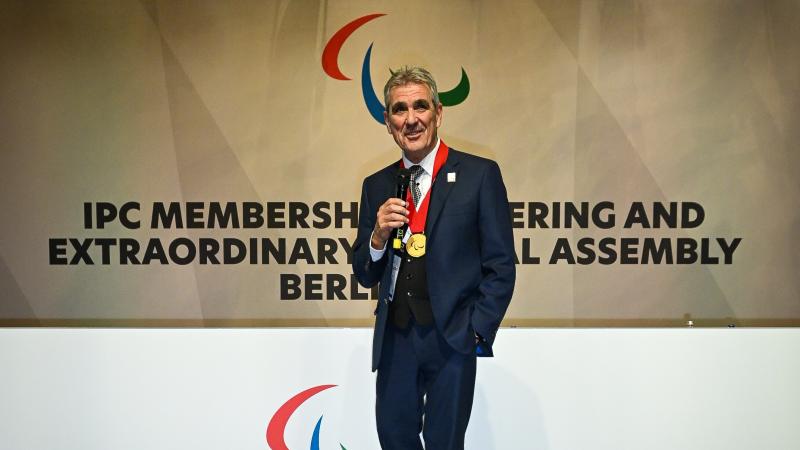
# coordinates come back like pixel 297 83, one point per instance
pixel 469 255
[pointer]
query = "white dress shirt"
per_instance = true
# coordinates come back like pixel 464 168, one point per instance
pixel 424 181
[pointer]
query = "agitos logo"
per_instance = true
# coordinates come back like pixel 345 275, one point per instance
pixel 277 425
pixel 330 65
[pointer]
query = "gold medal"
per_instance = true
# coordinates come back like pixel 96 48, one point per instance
pixel 416 245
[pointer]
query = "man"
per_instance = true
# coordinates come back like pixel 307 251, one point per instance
pixel 445 287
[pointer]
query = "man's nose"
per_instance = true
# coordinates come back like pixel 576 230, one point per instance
pixel 411 117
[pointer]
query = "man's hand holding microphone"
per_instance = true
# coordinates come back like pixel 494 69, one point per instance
pixel 391 215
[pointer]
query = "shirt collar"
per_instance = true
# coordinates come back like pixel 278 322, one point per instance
pixel 427 161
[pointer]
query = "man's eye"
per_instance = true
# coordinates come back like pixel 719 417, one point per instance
pixel 420 106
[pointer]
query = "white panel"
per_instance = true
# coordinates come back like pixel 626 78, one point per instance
pixel 82 389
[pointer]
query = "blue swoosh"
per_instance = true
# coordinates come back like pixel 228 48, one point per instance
pixel 374 104
pixel 315 436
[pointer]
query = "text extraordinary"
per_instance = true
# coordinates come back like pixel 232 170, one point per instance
pixel 183 251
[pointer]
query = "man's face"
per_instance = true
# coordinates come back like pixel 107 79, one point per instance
pixel 412 119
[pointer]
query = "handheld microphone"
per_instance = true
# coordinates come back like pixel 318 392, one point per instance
pixel 403 179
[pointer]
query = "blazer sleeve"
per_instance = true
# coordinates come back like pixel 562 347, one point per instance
pixel 497 256
pixel 367 272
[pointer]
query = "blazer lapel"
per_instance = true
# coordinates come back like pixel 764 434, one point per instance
pixel 389 190
pixel 389 186
pixel 440 191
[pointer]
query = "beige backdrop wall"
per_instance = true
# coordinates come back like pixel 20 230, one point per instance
pixel 621 101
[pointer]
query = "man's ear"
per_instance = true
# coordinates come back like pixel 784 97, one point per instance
pixel 386 121
pixel 439 110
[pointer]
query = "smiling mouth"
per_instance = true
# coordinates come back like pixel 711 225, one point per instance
pixel 413 134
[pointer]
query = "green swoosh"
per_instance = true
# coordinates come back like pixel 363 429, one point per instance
pixel 458 94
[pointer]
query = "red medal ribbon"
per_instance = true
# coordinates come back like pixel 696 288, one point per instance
pixel 418 217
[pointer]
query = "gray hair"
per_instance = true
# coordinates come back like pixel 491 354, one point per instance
pixel 410 74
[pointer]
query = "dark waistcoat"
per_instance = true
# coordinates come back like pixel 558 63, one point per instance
pixel 411 294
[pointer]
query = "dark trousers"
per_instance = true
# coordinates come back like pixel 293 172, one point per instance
pixel 423 386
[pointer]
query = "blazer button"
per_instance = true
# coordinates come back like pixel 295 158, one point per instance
pixel 410 294
pixel 408 276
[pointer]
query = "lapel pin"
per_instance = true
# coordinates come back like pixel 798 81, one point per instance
pixel 451 177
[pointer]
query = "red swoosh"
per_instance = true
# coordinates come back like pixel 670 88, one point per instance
pixel 330 55
pixel 277 425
